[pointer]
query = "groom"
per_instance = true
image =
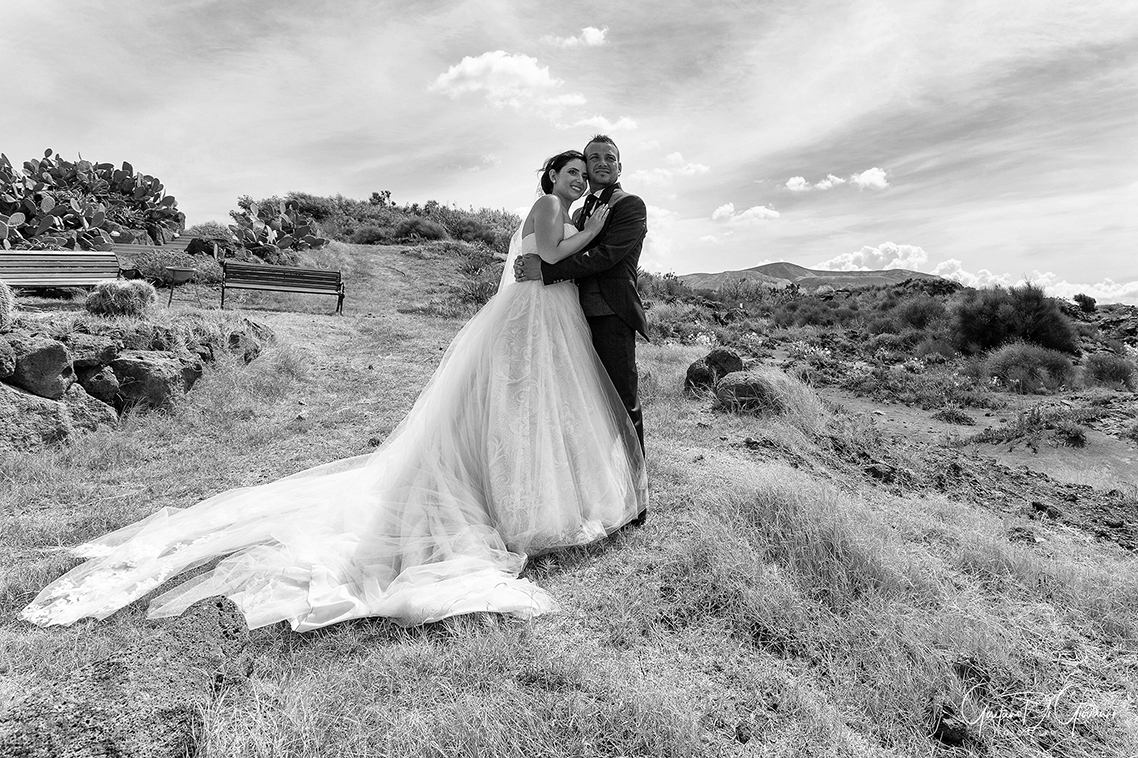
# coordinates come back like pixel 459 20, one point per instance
pixel 606 273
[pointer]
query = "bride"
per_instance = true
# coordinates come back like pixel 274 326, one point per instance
pixel 518 444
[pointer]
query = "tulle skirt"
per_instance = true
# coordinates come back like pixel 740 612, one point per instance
pixel 518 445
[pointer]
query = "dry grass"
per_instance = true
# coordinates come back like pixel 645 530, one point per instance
pixel 762 610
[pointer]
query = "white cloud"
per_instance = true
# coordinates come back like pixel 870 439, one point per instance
pixel 1106 291
pixel 830 181
pixel 590 36
pixel 657 254
pixel 886 255
pixel 661 176
pixel 753 215
pixel 652 177
pixel 504 79
pixel 490 160
pixel 953 269
pixel 872 178
pixel 603 124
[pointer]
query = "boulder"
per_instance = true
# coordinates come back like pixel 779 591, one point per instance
pixel 7 359
pixel 202 246
pixel 724 361
pixel 145 700
pixel 90 350
pixel 752 391
pixel 245 345
pixel 152 379
pixel 87 412
pixel 100 383
pixel 699 376
pixel 42 366
pixel 705 372
pixel 247 339
pixel 29 422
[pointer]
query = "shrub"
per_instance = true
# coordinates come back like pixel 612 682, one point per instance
pixel 7 307
pixel 1029 369
pixel 987 318
pixel 1131 432
pixel 80 205
pixel 1071 433
pixel 954 415
pixel 742 290
pixel 419 228
pixel 678 320
pixel 920 311
pixel 120 298
pixel 667 287
pixel 372 235
pixel 1111 370
pixel 1086 302
pixel 151 265
pixel 274 230
pixel 210 230
pixel 1039 319
pixel 477 292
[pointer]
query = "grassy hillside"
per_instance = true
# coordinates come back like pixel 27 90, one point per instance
pixel 815 583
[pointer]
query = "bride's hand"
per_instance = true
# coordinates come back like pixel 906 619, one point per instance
pixel 594 223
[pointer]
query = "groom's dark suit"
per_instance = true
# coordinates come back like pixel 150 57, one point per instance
pixel 606 275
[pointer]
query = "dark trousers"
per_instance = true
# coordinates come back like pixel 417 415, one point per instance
pixel 615 343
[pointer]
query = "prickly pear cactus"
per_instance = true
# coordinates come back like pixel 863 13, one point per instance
pixel 7 307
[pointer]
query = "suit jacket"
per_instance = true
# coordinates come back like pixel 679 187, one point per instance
pixel 612 259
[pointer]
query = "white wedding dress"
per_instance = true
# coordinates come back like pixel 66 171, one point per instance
pixel 518 445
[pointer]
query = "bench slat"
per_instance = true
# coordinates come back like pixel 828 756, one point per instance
pixel 251 276
pixel 57 269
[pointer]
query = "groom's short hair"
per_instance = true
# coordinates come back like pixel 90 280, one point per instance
pixel 605 139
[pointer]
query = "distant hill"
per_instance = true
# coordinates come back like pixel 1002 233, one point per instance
pixel 781 274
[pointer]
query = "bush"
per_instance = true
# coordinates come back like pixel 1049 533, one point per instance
pixel 419 228
pixel 1029 369
pixel 667 287
pixel 920 311
pixel 988 318
pixel 372 235
pixel 1110 370
pixel 121 298
pixel 1071 433
pixel 151 265
pixel 210 230
pixel 7 307
pixel 1086 302
pixel 55 203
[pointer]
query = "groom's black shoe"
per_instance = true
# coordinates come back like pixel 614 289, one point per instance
pixel 640 518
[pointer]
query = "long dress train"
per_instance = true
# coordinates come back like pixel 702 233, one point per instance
pixel 518 444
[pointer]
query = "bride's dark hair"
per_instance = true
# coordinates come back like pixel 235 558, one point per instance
pixel 556 163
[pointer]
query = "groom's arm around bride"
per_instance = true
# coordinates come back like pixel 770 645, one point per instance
pixel 605 273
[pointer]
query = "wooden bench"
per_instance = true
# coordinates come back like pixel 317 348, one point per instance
pixel 56 268
pixel 254 276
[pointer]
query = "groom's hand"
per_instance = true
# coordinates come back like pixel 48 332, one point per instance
pixel 527 268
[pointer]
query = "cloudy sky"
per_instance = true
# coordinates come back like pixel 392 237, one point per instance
pixel 989 140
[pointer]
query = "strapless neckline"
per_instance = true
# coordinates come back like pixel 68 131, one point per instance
pixel 567 226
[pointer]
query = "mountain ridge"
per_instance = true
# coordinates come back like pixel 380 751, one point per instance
pixel 782 274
